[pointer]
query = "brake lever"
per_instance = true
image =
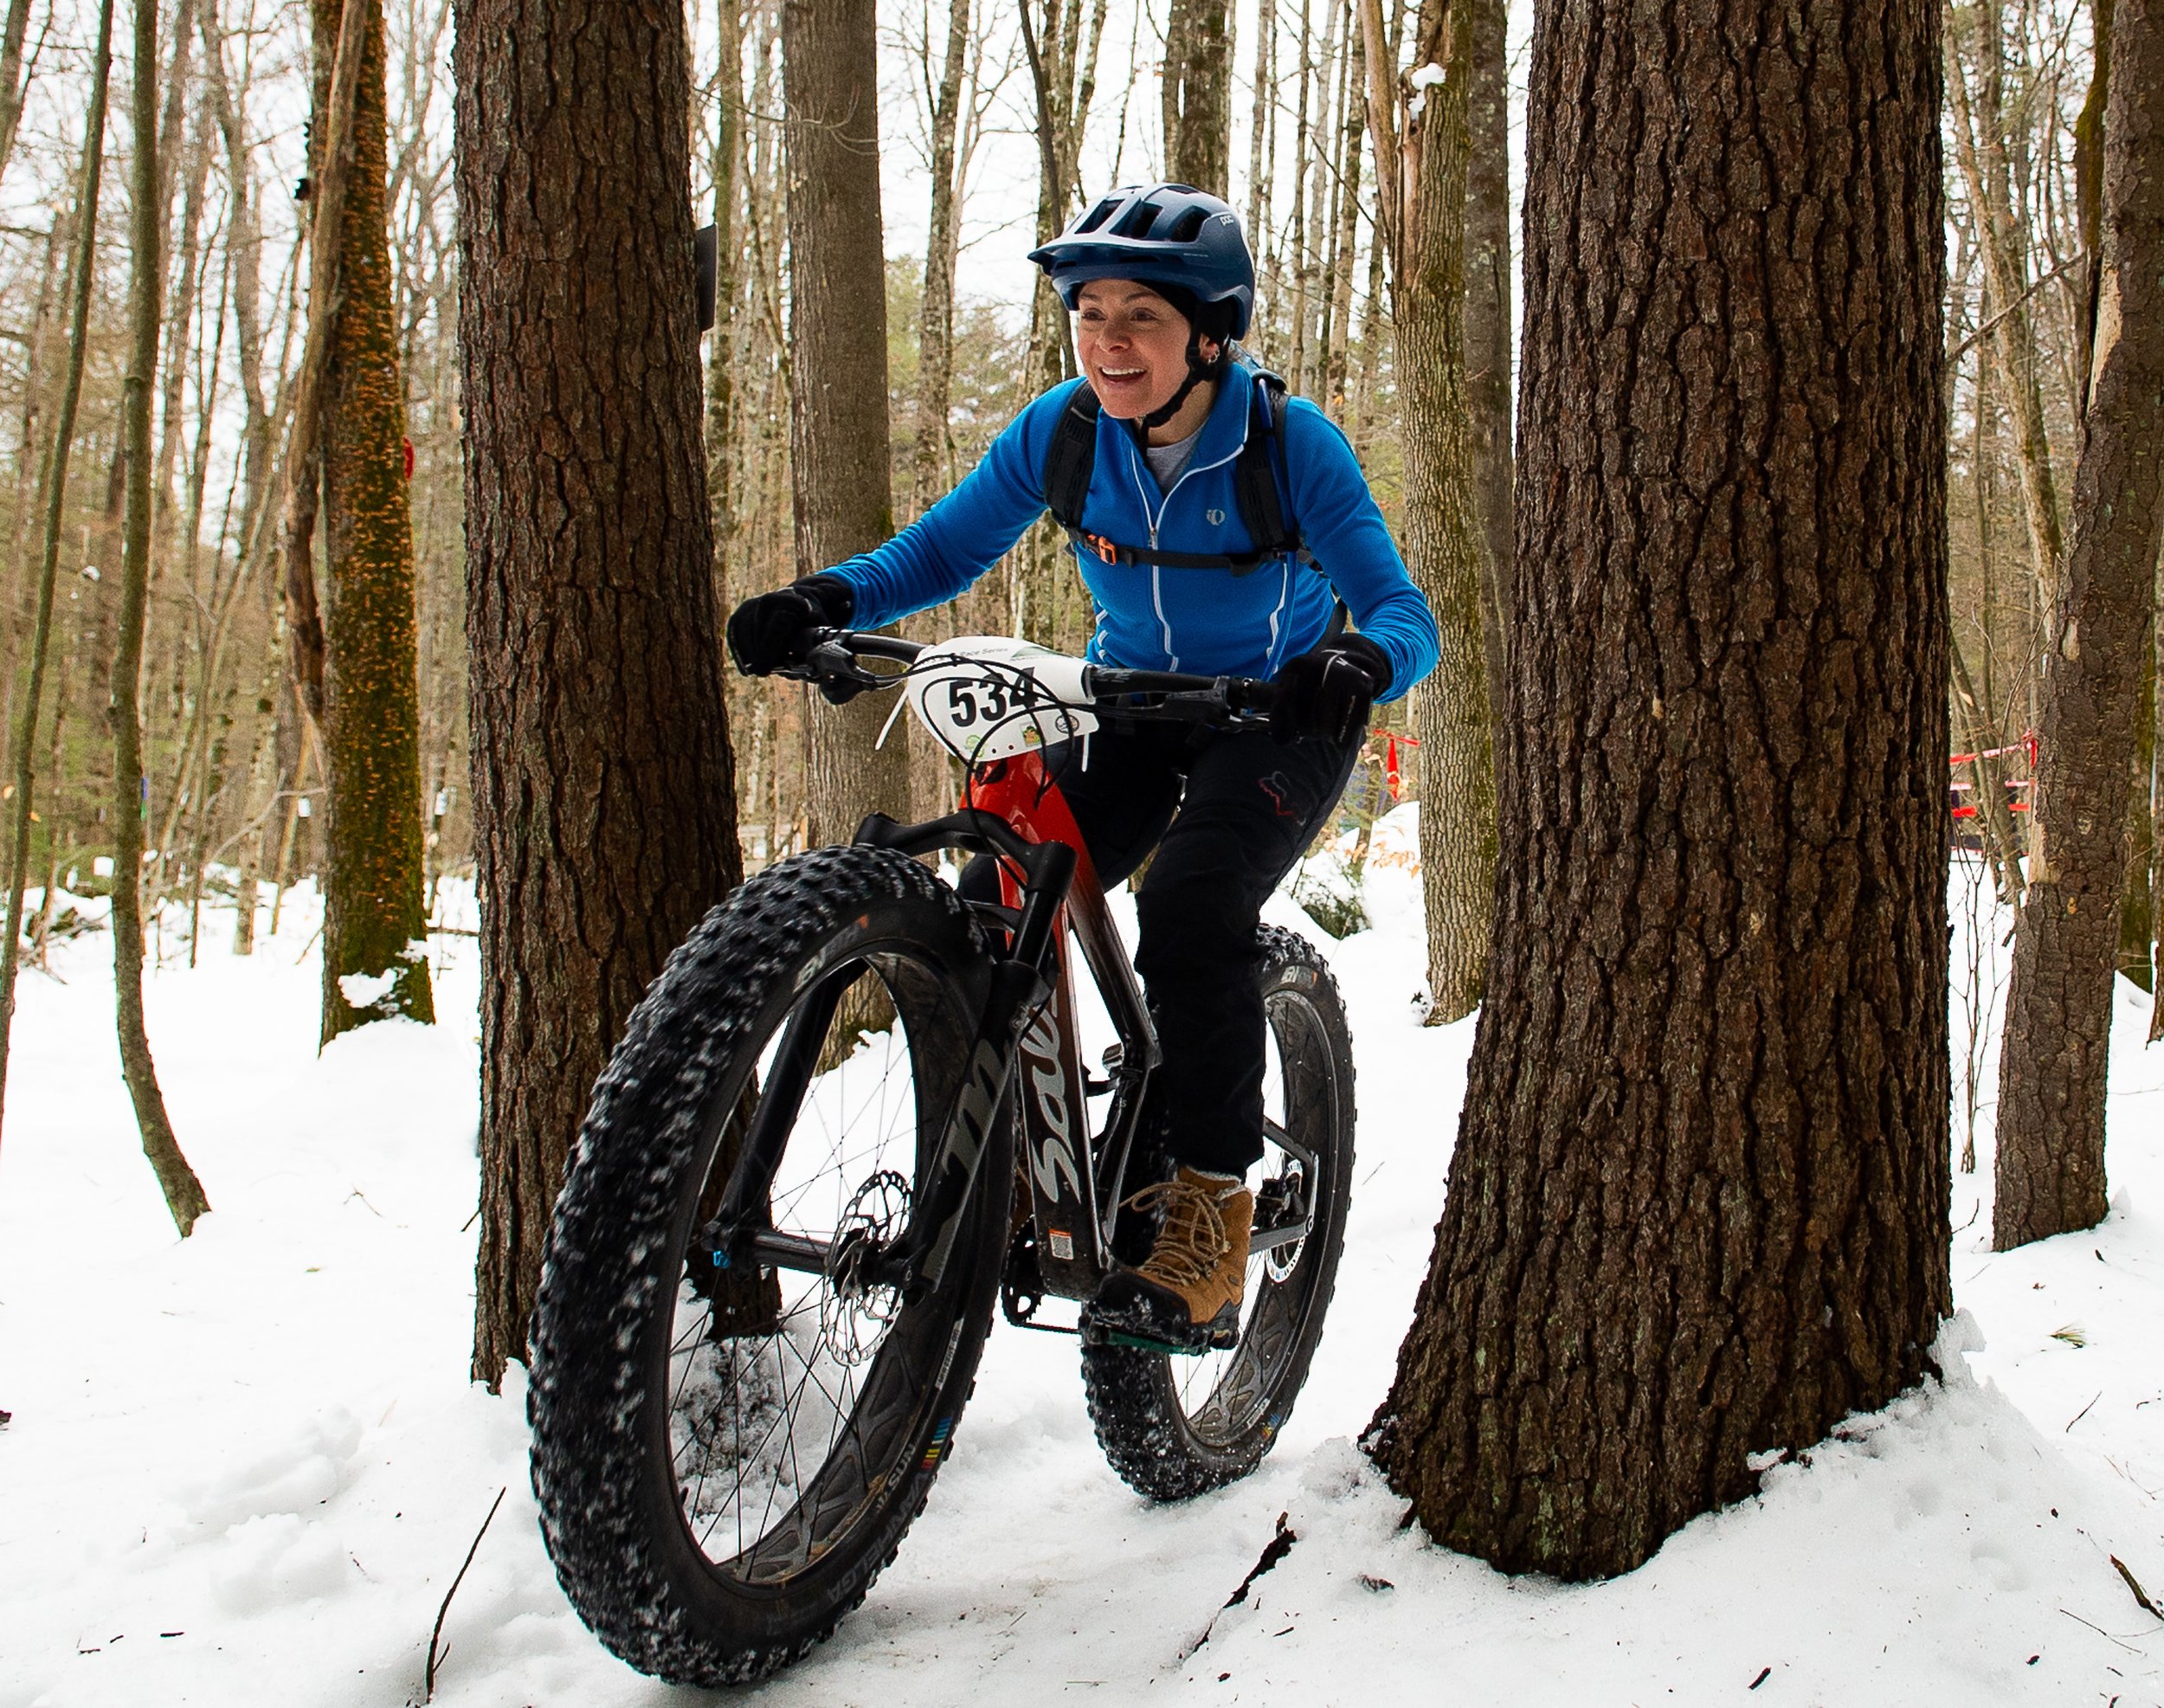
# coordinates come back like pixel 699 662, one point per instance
pixel 833 667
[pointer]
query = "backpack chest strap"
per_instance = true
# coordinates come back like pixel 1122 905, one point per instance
pixel 1238 563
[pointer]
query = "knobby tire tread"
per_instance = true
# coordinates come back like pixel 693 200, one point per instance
pixel 1138 1423
pixel 646 1122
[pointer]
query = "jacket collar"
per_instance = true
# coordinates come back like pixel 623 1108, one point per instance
pixel 1224 430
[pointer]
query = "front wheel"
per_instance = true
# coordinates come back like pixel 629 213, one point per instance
pixel 1175 1426
pixel 727 1453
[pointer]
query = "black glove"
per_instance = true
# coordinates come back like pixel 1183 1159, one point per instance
pixel 1329 690
pixel 769 629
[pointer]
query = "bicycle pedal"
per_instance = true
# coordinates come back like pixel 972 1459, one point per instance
pixel 1213 1340
pixel 1216 1343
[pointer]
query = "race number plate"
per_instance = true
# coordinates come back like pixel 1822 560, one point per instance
pixel 986 697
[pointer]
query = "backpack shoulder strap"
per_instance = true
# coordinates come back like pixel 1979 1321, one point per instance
pixel 1256 473
pixel 1071 459
pixel 1261 499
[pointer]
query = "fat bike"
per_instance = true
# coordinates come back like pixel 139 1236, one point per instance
pixel 851 1120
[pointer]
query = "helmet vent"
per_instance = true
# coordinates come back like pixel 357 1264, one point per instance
pixel 1137 222
pixel 1097 215
pixel 1189 226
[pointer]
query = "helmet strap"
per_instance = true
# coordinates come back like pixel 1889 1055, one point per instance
pixel 1198 370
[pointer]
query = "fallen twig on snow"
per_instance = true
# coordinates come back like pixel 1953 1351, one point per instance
pixel 428 1678
pixel 1273 1551
pixel 2100 1631
pixel 2134 1583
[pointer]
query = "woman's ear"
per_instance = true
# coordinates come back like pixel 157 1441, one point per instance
pixel 1208 349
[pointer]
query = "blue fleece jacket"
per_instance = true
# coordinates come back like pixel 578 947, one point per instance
pixel 1149 617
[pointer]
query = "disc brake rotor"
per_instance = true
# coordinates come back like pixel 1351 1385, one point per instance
pixel 854 1310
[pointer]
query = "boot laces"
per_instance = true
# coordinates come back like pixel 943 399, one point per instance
pixel 1193 1238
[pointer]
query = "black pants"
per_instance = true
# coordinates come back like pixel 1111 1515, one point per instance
pixel 1229 814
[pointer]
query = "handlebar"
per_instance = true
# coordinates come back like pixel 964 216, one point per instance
pixel 834 661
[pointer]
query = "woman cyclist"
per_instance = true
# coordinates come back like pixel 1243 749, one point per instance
pixel 1161 287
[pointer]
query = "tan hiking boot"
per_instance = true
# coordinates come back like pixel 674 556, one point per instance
pixel 1185 1296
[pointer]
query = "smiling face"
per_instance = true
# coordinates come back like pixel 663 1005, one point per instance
pixel 1133 346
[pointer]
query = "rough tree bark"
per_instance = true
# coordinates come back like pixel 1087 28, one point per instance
pixel 839 449
pixel 330 161
pixel 1421 141
pixel 604 815
pixel 1198 94
pixel 376 924
pixel 2137 920
pixel 1698 1210
pixel 184 1193
pixel 2050 1150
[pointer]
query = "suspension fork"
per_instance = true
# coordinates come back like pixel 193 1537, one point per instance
pixel 1020 982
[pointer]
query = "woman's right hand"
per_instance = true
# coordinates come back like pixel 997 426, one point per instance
pixel 772 630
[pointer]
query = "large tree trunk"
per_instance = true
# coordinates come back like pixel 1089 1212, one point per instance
pixel 604 813
pixel 2050 1150
pixel 1198 94
pixel 837 319
pixel 376 923
pixel 1698 1210
pixel 1422 141
pixel 184 1193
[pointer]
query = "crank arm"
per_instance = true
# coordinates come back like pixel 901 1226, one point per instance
pixel 1270 1238
pixel 1284 1142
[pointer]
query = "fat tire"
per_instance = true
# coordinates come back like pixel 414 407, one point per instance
pixel 1143 1430
pixel 610 1513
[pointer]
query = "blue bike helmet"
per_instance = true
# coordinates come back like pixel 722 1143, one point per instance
pixel 1165 235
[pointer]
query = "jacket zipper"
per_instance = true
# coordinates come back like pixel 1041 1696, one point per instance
pixel 1155 517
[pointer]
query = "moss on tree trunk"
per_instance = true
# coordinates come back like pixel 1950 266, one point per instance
pixel 375 932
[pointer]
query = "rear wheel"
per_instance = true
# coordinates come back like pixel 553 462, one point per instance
pixel 726 1453
pixel 1174 1426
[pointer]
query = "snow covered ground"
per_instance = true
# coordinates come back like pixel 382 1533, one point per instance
pixel 245 1467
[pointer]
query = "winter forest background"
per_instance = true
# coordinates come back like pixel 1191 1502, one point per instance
pixel 381 755
pixel 230 784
